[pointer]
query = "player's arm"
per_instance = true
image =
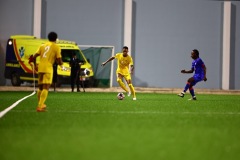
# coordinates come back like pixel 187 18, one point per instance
pixel 59 58
pixel 59 61
pixel 79 62
pixel 205 73
pixel 131 68
pixel 38 53
pixel 190 71
pixel 32 59
pixel 35 57
pixel 110 59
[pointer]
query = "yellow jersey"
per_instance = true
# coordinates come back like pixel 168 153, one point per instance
pixel 48 53
pixel 123 63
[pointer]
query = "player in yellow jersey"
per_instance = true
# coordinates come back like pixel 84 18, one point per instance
pixel 49 53
pixel 124 62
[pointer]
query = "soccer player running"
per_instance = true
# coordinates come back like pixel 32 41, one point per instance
pixel 49 53
pixel 200 74
pixel 124 62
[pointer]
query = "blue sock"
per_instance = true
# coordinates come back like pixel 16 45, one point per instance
pixel 192 91
pixel 186 87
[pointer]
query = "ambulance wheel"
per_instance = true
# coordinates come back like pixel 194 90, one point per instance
pixel 15 79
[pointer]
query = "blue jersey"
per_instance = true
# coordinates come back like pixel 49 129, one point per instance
pixel 198 67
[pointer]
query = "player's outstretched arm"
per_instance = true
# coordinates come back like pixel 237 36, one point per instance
pixel 110 59
pixel 184 71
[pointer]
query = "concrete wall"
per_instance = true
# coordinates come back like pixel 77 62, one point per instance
pixel 15 18
pixel 164 33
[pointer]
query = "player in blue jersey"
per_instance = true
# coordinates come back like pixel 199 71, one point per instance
pixel 200 70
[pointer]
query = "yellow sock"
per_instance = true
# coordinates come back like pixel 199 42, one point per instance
pixel 43 97
pixel 132 90
pixel 39 94
pixel 122 85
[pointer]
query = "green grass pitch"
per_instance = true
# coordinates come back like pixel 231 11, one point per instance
pixel 98 126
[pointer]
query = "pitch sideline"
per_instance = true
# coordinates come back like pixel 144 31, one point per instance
pixel 137 112
pixel 15 104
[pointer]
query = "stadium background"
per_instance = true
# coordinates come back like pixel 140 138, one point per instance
pixel 164 33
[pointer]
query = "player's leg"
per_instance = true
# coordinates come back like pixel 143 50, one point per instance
pixel 191 90
pixel 40 87
pixel 187 86
pixel 78 82
pixel 120 82
pixel 43 96
pixel 47 79
pixel 39 92
pixel 54 82
pixel 72 80
pixel 129 81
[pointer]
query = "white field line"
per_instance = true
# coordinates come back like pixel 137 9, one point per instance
pixel 137 112
pixel 14 105
pixel 154 112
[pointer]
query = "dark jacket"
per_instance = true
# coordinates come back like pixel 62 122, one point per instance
pixel 74 63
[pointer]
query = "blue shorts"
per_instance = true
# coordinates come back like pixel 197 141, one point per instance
pixel 197 78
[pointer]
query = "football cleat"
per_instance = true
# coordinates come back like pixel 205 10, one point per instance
pixel 39 109
pixel 181 94
pixel 42 109
pixel 193 98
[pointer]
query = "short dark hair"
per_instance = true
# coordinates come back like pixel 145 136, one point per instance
pixel 196 52
pixel 52 36
pixel 125 47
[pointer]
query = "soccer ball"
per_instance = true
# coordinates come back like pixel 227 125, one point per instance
pixel 86 71
pixel 120 96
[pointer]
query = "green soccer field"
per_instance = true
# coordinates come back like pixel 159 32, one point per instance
pixel 97 126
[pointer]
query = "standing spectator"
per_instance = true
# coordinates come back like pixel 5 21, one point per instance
pixel 55 75
pixel 75 72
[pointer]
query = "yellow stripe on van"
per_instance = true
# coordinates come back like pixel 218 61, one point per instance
pixel 22 37
pixel 12 65
pixel 28 78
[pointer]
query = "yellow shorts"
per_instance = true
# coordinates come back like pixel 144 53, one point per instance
pixel 45 78
pixel 126 77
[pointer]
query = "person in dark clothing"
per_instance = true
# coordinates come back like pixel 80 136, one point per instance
pixel 54 80
pixel 75 72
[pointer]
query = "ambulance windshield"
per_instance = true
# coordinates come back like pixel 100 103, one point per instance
pixel 67 54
